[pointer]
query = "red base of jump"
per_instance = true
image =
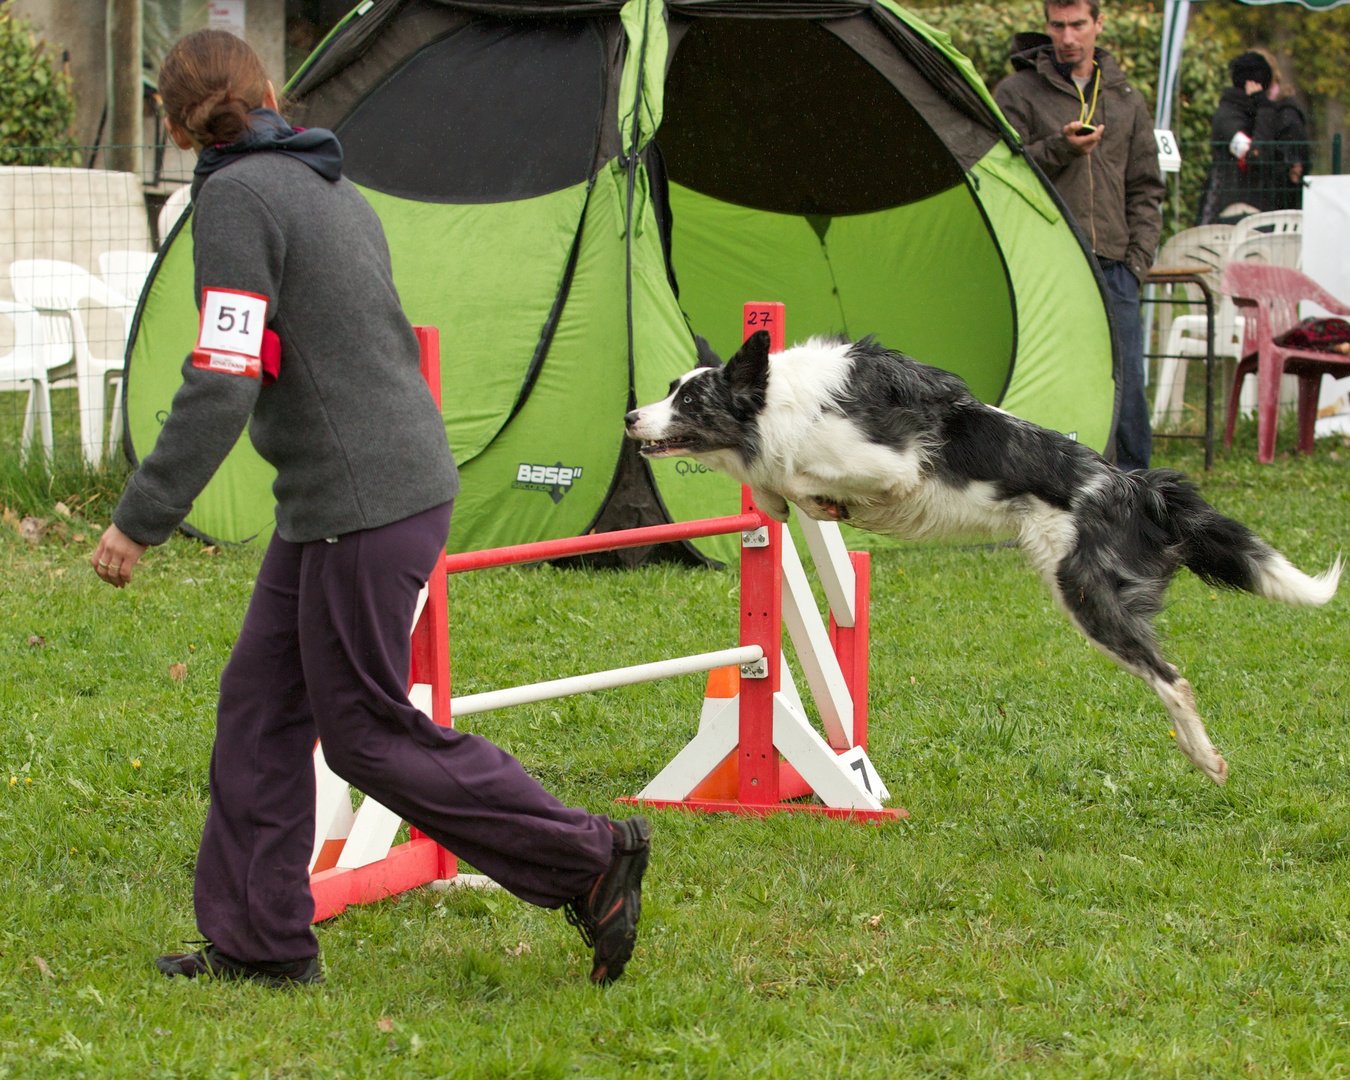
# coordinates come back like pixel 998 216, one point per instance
pixel 407 866
pixel 731 806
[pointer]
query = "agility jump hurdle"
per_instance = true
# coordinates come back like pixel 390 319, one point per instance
pixel 755 749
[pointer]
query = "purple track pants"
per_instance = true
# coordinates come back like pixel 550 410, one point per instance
pixel 324 653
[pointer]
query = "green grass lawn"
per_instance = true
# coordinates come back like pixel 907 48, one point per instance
pixel 1070 897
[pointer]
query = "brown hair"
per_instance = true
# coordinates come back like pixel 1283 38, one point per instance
pixel 1094 7
pixel 210 82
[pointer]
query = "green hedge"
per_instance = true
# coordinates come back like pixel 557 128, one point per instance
pixel 1133 35
pixel 36 106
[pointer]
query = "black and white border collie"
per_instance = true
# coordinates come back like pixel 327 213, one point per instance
pixel 854 431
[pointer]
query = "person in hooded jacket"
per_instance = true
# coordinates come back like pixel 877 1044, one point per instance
pixel 365 486
pixel 1260 146
pixel 1090 132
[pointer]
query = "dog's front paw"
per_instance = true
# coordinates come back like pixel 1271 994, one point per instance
pixel 771 503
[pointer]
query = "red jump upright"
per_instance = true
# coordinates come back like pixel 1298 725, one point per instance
pixel 755 750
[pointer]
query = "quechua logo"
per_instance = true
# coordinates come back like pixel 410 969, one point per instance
pixel 555 480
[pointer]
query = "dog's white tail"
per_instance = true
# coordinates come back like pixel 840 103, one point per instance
pixel 1279 579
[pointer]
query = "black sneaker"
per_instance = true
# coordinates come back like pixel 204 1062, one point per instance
pixel 607 916
pixel 211 963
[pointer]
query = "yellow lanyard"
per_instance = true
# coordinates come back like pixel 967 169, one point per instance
pixel 1084 114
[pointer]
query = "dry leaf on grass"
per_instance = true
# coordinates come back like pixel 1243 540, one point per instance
pixel 42 967
pixel 210 549
pixel 521 947
pixel 62 509
pixel 385 1024
pixel 37 641
pixel 31 529
pixel 177 672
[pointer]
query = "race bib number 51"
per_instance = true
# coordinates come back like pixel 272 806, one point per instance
pixel 231 336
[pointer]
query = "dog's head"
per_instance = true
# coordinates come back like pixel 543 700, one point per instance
pixel 712 408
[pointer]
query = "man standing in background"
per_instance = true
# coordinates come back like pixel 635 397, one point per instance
pixel 1091 134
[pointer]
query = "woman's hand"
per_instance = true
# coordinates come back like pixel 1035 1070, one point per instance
pixel 116 556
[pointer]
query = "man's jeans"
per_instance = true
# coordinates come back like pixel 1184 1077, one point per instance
pixel 1134 438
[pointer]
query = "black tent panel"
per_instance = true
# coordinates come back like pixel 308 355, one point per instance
pixel 495 112
pixel 782 115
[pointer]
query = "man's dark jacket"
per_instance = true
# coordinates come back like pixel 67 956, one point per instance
pixel 1115 193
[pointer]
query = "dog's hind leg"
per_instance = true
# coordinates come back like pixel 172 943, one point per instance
pixel 1115 613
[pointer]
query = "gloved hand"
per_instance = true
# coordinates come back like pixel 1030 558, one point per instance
pixel 1240 144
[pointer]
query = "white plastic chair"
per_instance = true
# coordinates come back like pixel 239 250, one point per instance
pixel 125 271
pixel 52 286
pixel 1276 249
pixel 1271 223
pixel 1275 238
pixel 172 210
pixel 1204 249
pixel 39 346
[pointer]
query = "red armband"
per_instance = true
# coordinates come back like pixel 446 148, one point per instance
pixel 232 332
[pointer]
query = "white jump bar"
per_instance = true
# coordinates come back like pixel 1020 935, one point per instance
pixel 471 704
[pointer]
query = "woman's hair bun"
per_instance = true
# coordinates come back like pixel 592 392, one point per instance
pixel 209 83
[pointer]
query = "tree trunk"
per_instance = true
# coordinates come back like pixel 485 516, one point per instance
pixel 125 104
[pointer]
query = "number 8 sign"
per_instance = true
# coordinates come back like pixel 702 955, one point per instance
pixel 230 339
pixel 1169 153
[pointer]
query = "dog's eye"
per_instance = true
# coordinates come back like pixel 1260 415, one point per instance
pixel 688 400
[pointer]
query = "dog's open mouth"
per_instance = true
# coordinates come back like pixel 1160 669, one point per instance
pixel 665 447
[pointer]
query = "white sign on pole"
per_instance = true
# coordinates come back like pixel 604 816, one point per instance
pixel 226 15
pixel 1169 152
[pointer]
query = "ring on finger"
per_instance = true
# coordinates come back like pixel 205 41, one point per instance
pixel 104 565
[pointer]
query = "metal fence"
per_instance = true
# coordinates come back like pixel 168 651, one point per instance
pixel 76 244
pixel 1215 187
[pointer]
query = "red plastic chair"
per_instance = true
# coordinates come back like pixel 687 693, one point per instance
pixel 1274 293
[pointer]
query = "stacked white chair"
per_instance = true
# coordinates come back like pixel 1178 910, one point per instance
pixel 41 343
pixel 125 272
pixel 172 210
pixel 1274 238
pixel 56 288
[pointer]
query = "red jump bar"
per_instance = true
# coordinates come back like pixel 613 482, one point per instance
pixel 607 541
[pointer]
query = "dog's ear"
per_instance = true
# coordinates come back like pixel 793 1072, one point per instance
pixel 706 357
pixel 748 372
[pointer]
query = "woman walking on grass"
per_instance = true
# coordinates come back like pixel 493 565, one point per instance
pixel 365 485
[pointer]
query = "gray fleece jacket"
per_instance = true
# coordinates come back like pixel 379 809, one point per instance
pixel 349 424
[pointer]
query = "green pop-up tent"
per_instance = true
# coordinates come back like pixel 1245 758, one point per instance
pixel 836 155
